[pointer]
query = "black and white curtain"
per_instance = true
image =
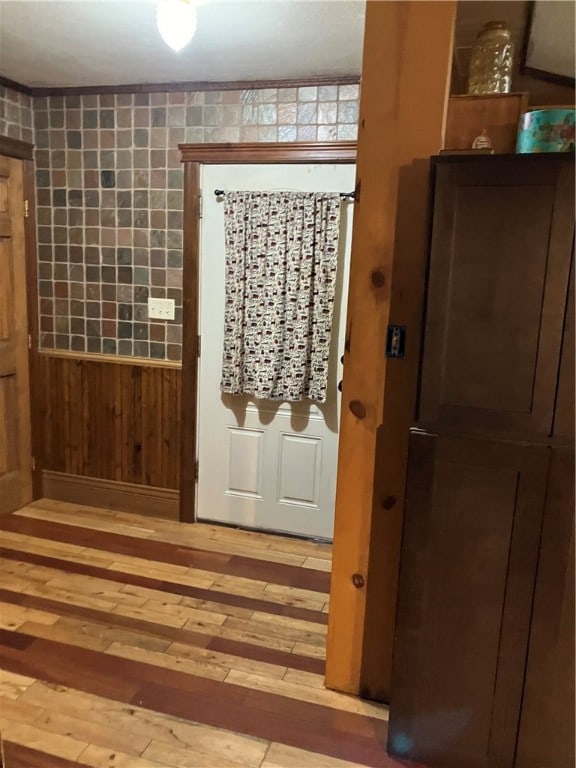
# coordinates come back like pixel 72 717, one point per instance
pixel 281 264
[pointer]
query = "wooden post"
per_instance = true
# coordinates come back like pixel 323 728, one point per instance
pixel 405 79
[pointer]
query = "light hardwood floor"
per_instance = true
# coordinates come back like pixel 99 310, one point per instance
pixel 132 642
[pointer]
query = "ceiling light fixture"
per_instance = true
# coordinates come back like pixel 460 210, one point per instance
pixel 176 20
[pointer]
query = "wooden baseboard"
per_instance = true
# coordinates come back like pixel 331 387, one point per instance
pixel 111 494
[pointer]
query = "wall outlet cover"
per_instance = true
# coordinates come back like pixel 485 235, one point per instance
pixel 161 309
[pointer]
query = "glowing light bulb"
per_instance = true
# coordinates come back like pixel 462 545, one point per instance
pixel 176 20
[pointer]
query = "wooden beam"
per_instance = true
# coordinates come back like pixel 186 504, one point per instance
pixel 405 79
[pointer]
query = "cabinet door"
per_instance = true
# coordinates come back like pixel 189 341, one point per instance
pixel 499 262
pixel 469 552
pixel 546 736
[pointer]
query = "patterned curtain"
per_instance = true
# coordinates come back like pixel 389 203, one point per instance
pixel 281 262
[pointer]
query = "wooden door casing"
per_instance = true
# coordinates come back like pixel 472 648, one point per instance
pixel 194 156
pixel 15 439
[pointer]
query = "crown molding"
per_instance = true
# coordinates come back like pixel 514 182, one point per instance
pixel 14 86
pixel 201 85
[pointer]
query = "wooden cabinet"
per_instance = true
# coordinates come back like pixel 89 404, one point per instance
pixel 483 672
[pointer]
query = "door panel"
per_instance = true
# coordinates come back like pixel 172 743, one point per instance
pixel 469 554
pixel 500 257
pixel 8 426
pixel 245 462
pixel 546 736
pixel 564 416
pixel 265 464
pixel 299 467
pixel 7 318
pixel 15 457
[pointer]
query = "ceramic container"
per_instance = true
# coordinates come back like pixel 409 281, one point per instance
pixel 546 129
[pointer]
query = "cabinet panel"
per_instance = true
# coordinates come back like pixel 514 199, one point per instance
pixel 546 735
pixel 498 113
pixel 564 413
pixel 469 551
pixel 500 257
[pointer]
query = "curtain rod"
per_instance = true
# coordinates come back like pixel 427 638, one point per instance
pixel 343 195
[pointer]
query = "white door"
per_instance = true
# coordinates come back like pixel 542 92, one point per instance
pixel 264 464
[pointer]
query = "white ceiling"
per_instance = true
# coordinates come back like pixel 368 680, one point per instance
pixel 104 42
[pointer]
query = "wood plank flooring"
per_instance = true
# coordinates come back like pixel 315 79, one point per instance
pixel 131 642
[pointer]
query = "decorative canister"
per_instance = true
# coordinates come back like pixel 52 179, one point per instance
pixel 491 60
pixel 546 129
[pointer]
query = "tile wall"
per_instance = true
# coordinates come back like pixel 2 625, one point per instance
pixel 109 194
pixel 16 115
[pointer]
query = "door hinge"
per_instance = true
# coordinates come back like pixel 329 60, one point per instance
pixel 198 345
pixel 33 464
pixel 196 469
pixel 29 341
pixel 26 209
pixel 200 206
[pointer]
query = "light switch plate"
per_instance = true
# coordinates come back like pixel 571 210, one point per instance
pixel 161 309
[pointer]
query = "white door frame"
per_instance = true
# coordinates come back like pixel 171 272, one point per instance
pixel 267 465
pixel 194 156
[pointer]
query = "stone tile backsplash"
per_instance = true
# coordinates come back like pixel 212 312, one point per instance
pixel 16 115
pixel 110 197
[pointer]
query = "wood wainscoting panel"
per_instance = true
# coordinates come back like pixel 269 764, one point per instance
pixel 114 420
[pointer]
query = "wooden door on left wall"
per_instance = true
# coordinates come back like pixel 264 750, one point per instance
pixel 15 439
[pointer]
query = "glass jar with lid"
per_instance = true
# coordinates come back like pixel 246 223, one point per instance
pixel 491 60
